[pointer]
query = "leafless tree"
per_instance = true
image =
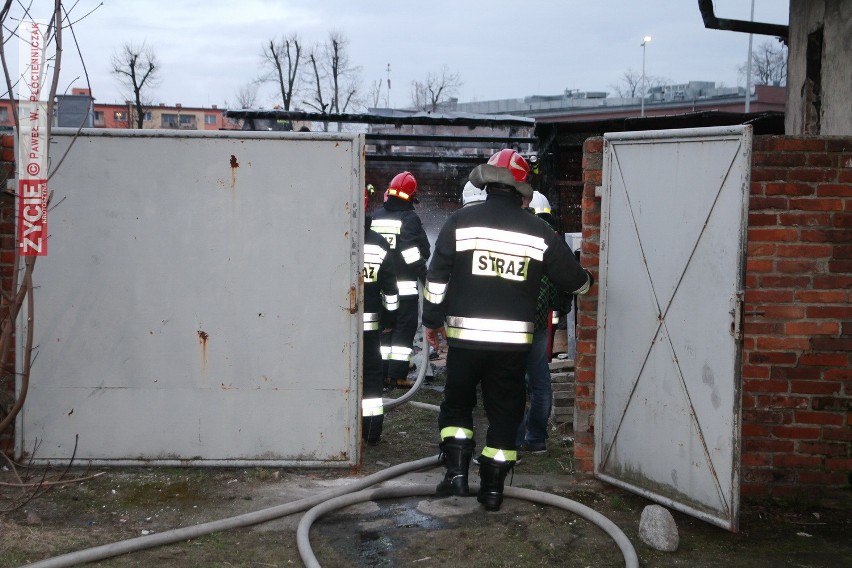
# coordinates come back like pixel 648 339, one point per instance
pixel 137 69
pixel 375 94
pixel 435 90
pixel 17 290
pixel 334 83
pixel 630 84
pixel 316 75
pixel 247 95
pixel 281 59
pixel 768 65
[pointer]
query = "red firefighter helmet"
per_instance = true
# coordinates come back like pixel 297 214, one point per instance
pixel 506 167
pixel 403 185
pixel 513 162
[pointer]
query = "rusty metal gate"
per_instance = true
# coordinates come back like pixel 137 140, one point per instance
pixel 673 226
pixel 200 304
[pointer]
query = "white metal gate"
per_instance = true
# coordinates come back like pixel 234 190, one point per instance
pixel 674 217
pixel 200 303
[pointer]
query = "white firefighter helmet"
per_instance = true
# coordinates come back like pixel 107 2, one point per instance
pixel 539 203
pixel 472 194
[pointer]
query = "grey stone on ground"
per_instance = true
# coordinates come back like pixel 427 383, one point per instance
pixel 657 529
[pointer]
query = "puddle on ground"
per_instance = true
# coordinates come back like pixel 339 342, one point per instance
pixel 374 547
pixel 410 518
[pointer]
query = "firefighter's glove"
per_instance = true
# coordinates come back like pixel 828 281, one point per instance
pixel 433 336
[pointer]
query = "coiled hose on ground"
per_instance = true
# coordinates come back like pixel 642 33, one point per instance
pixel 333 499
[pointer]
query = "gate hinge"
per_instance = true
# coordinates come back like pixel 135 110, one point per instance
pixel 737 316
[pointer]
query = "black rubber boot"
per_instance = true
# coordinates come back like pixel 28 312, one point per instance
pixel 456 454
pixel 492 475
pixel 371 429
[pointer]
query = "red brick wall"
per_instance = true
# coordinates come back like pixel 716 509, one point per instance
pixel 587 309
pixel 797 346
pixel 797 382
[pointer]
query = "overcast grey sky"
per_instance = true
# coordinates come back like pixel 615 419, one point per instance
pixel 208 49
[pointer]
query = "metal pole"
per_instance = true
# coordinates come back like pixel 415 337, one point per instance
pixel 389 87
pixel 642 94
pixel 748 66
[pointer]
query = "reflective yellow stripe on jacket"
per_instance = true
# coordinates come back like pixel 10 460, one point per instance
pixel 388 228
pixel 489 330
pixel 500 241
pixel 435 292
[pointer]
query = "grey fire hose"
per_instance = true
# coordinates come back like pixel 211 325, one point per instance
pixel 389 403
pixel 631 559
pixel 333 499
pixel 239 521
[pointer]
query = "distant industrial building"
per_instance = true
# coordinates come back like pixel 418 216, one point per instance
pixel 570 106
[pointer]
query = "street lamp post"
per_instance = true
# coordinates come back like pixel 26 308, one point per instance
pixel 645 41
pixel 748 66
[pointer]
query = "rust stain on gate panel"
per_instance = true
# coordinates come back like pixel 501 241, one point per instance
pixel 234 165
pixel 202 340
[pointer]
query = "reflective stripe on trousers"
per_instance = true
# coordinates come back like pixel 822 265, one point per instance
pixel 371 321
pixel 407 287
pixel 372 407
pixel 500 455
pixel 396 353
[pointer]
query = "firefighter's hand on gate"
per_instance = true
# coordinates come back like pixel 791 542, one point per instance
pixel 433 336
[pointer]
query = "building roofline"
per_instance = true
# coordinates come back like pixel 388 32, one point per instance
pixel 389 116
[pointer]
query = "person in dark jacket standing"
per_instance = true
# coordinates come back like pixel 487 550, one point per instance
pixel 399 224
pixel 532 434
pixel 380 297
pixel 481 292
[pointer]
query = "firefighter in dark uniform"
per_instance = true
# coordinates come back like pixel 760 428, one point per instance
pixel 480 294
pixel 397 222
pixel 380 297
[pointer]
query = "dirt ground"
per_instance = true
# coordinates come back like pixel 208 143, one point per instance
pixel 125 503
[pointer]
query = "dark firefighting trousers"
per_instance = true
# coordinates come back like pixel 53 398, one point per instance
pixel 397 345
pixel 373 383
pixel 501 375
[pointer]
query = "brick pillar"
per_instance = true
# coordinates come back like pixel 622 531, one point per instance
pixel 587 310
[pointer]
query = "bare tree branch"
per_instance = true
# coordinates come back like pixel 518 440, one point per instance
pixel 768 65
pixel 137 68
pixel 284 57
pixel 247 95
pixel 334 82
pixel 435 90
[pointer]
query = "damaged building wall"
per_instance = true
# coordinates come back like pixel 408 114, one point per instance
pixel 818 69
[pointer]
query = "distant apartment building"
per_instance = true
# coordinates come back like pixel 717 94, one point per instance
pixel 79 109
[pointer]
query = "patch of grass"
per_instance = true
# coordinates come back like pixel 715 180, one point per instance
pixel 619 504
